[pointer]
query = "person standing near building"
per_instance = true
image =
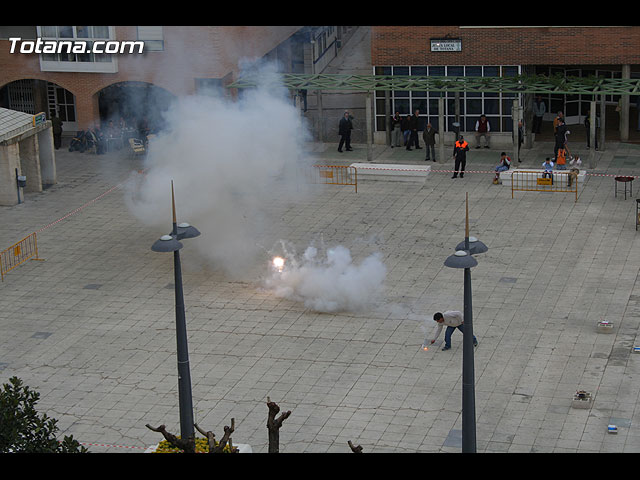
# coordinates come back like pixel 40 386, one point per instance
pixel 587 126
pixel 520 138
pixel 557 120
pixel 452 319
pixel 539 109
pixel 344 130
pixel 482 130
pixel 143 129
pixel 56 125
pixel 404 125
pixel 460 150
pixel 413 129
pixel 429 137
pixel 561 137
pixel 396 130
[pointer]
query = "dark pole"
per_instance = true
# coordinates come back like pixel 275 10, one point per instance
pixel 468 375
pixel 171 243
pixel 468 380
pixel 184 375
pixel 185 399
pixel 463 258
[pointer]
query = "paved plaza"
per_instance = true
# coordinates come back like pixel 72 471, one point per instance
pixel 92 327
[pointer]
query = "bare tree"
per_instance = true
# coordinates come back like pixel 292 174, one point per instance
pixel 226 438
pixel 274 424
pixel 187 445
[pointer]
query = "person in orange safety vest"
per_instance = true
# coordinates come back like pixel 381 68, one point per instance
pixel 561 159
pixel 460 150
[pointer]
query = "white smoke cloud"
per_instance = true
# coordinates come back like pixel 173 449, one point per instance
pixel 331 282
pixel 230 162
pixel 235 167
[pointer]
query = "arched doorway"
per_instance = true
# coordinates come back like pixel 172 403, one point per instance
pixel 34 96
pixel 134 103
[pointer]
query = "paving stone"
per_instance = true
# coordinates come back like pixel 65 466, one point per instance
pixel 93 325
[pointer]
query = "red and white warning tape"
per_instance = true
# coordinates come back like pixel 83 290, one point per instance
pixel 80 208
pixel 369 168
pixel 108 445
pixel 482 171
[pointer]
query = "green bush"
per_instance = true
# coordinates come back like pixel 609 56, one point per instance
pixel 22 430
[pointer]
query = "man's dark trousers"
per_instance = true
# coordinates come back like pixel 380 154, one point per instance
pixel 346 141
pixel 458 164
pixel 449 331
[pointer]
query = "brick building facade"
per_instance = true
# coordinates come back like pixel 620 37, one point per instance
pixel 188 57
pixel 611 52
pixel 410 45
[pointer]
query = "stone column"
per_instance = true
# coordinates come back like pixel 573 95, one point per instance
pixel 515 117
pixel 624 113
pixel 603 116
pixel 528 121
pixel 297 100
pixel 369 134
pixel 30 162
pixel 441 126
pixel 592 134
pixel 387 117
pixel 457 110
pixel 88 111
pixel 320 116
pixel 47 156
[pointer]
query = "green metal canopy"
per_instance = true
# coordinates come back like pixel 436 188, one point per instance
pixel 516 84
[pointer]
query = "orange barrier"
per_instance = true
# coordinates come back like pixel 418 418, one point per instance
pixel 18 253
pixel 334 175
pixel 532 181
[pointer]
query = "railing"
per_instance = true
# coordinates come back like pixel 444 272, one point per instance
pixel 18 253
pixel 334 175
pixel 565 181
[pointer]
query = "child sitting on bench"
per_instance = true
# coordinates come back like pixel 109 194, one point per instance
pixel 548 169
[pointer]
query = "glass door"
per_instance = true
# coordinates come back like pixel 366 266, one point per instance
pixel 62 101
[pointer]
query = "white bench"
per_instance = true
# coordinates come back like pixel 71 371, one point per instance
pixel 505 176
pixel 391 171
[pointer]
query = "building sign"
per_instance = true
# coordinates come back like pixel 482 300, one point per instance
pixel 446 45
pixel 39 119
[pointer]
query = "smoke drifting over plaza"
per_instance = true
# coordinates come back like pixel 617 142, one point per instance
pixel 235 164
pixel 328 281
pixel 225 159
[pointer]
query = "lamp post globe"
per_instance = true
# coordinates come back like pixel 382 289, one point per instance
pixel 460 259
pixel 166 243
pixel 474 246
pixel 187 231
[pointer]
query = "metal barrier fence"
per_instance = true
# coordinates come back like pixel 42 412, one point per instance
pixel 18 253
pixel 334 175
pixel 533 181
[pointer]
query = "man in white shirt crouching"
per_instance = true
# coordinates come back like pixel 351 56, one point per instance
pixel 452 319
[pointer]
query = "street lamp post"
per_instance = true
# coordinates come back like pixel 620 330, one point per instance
pixel 171 243
pixel 463 258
